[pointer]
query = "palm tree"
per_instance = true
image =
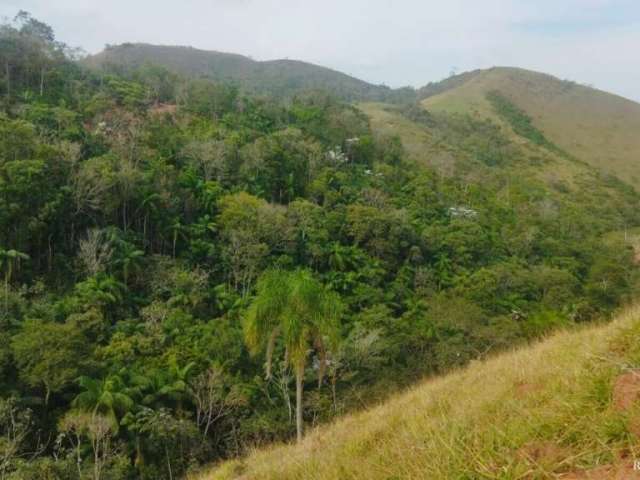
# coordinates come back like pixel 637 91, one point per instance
pixel 298 308
pixel 177 229
pixel 128 258
pixel 150 207
pixel 126 255
pixel 168 383
pixel 177 378
pixel 109 397
pixel 9 259
pixel 100 290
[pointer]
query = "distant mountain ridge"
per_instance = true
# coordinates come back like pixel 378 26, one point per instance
pixel 596 127
pixel 274 77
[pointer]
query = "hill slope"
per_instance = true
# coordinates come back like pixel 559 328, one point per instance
pixel 563 408
pixel 491 153
pixel 594 126
pixel 275 77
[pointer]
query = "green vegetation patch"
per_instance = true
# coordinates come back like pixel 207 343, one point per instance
pixel 520 121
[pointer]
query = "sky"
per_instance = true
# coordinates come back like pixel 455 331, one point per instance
pixel 395 42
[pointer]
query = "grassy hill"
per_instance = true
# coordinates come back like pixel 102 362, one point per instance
pixel 592 125
pixel 274 77
pixel 565 407
pixel 491 153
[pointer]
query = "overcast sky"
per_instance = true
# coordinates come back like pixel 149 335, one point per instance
pixel 396 42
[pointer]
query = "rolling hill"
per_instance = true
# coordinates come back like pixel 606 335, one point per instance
pixel 491 153
pixel 404 266
pixel 274 77
pixel 591 125
pixel 596 127
pixel 563 408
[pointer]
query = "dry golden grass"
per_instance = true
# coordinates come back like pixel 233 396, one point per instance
pixel 544 411
pixel 425 149
pixel 416 139
pixel 595 126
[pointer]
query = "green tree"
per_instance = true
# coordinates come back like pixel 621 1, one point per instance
pixel 128 258
pixel 47 354
pixel 244 250
pixel 100 290
pixel 298 308
pixel 169 383
pixel 109 397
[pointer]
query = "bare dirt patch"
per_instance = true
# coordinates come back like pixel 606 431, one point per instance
pixel 626 390
pixel 524 389
pixel 607 472
pixel 544 453
pixel 634 426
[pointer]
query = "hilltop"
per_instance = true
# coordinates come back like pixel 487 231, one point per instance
pixel 594 126
pixel 274 77
pixel 562 408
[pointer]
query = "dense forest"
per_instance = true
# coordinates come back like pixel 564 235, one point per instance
pixel 190 270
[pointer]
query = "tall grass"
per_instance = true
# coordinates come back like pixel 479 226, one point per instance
pixel 539 412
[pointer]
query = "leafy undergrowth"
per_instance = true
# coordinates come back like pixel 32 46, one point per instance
pixel 550 410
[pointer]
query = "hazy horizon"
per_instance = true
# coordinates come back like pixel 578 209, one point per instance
pixel 397 44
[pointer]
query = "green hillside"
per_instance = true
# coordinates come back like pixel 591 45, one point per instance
pixel 594 126
pixel 564 408
pixel 274 77
pixel 190 271
pixel 488 150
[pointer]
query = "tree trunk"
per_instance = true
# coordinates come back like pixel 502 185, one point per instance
pixel 299 381
pixel 333 393
pixel 96 460
pixel 8 74
pixel 139 460
pixel 6 293
pixel 175 241
pixel 144 231
pixel 7 277
pixel 50 256
pixel 166 452
pixel 79 457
